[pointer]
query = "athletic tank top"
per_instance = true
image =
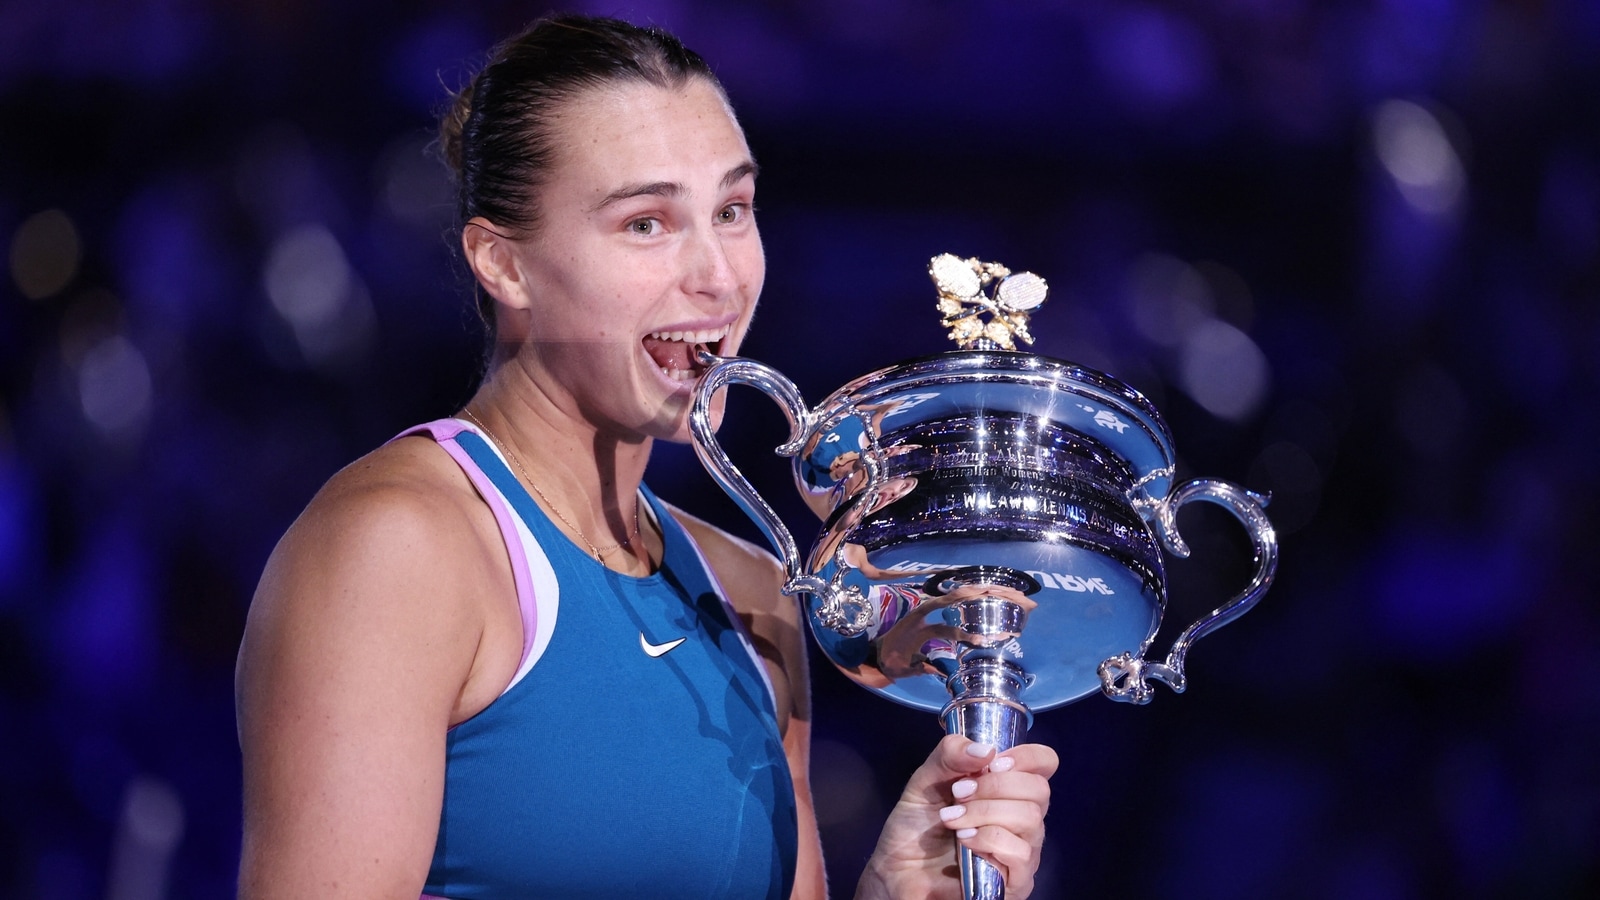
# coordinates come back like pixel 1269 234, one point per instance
pixel 636 751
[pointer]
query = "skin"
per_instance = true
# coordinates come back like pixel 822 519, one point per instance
pixel 388 611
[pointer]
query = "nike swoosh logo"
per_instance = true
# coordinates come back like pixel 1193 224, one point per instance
pixel 656 650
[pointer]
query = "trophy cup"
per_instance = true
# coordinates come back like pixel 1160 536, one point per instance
pixel 993 523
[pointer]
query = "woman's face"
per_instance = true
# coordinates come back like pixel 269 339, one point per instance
pixel 646 251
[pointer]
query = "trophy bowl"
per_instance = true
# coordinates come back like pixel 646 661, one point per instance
pixel 993 522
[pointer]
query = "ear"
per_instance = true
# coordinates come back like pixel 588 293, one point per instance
pixel 490 254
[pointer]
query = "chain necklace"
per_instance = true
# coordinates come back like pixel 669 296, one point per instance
pixel 599 552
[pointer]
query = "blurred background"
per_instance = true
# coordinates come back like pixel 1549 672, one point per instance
pixel 1350 249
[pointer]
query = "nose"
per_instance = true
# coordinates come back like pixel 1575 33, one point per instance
pixel 709 269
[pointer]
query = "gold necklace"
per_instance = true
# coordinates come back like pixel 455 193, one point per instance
pixel 599 552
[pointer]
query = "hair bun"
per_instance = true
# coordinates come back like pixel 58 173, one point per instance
pixel 451 125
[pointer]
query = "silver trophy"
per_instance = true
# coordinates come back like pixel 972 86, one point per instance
pixel 993 523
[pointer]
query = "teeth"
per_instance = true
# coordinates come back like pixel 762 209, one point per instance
pixel 705 336
pixel 692 337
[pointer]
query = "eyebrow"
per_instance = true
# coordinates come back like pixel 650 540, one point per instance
pixel 737 173
pixel 673 188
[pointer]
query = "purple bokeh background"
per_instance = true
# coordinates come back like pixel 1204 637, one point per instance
pixel 1351 250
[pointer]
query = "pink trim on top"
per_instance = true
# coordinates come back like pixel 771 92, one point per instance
pixel 444 431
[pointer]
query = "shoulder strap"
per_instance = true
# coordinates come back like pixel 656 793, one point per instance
pixel 528 562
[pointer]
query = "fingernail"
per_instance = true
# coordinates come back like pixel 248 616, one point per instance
pixel 964 788
pixel 965 833
pixel 952 812
pixel 1003 764
pixel 979 750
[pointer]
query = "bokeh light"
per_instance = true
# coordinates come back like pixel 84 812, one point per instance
pixel 1224 371
pixel 148 831
pixel 310 284
pixel 114 386
pixel 1169 299
pixel 45 252
pixel 306 277
pixel 1417 152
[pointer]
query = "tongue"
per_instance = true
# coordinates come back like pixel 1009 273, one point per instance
pixel 672 354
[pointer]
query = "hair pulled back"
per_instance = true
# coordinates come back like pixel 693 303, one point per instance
pixel 496 136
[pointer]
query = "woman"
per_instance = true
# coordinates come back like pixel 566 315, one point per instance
pixel 486 662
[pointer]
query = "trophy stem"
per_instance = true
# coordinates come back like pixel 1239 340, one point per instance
pixel 984 707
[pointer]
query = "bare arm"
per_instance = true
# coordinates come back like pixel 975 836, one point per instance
pixel 358 654
pixel 810 881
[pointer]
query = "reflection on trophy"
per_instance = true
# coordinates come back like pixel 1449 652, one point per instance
pixel 993 523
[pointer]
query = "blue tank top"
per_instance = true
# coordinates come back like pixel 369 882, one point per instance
pixel 637 752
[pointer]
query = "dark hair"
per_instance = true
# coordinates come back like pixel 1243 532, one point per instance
pixel 496 135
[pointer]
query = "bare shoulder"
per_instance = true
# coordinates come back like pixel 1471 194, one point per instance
pixel 389 556
pixel 404 508
pixel 398 473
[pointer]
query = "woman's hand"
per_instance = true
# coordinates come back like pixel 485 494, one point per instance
pixel 993 804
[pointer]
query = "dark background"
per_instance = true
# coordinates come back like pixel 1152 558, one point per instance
pixel 1349 249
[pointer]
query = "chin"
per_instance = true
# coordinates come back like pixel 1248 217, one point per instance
pixel 671 420
pixel 672 423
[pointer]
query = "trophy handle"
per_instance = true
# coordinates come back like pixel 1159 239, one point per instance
pixel 736 370
pixel 1126 677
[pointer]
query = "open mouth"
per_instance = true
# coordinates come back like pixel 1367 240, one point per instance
pixel 677 352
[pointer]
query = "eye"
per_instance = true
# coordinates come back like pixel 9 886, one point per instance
pixel 644 225
pixel 733 212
